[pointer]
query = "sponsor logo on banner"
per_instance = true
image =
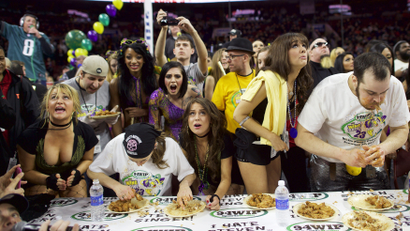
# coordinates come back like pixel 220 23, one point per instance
pixel 397 208
pixel 316 226
pixel 238 213
pixel 86 216
pixel 167 200
pixel 346 194
pixel 62 202
pixel 162 228
pixel 308 196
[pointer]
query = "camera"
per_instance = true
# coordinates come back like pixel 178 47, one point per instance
pixel 168 21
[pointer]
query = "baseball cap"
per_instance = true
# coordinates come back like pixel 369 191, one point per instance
pixel 139 139
pixel 17 200
pixel 235 32
pixel 95 65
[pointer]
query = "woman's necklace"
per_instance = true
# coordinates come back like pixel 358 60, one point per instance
pixel 202 172
pixel 61 125
pixel 293 132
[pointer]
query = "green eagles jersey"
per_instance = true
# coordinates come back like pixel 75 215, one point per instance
pixel 25 48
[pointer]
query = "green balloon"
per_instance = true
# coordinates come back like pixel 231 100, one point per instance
pixel 86 44
pixel 74 38
pixel 104 19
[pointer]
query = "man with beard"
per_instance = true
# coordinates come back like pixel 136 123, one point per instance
pixel 402 52
pixel 318 48
pixel 342 121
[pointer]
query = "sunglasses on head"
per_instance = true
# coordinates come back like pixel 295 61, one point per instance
pixel 320 44
pixel 126 41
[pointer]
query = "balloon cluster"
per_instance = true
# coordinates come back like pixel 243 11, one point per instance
pixel 79 44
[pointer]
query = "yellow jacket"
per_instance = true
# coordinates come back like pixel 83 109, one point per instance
pixel 276 92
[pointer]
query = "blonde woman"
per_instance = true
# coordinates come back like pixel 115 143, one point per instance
pixel 334 53
pixel 112 61
pixel 216 73
pixel 55 151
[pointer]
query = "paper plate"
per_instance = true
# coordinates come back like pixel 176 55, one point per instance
pixel 245 201
pixel 297 207
pixel 141 204
pixel 387 223
pixel 172 211
pixel 104 116
pixel 359 202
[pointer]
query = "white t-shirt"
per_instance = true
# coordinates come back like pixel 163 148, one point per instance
pixel 148 179
pixel 398 64
pixel 195 76
pixel 333 113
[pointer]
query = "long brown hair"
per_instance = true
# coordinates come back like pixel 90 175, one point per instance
pixel 215 141
pixel 216 70
pixel 158 153
pixel 278 61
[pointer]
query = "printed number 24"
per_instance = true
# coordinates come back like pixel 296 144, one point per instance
pixel 360 134
pixel 28 47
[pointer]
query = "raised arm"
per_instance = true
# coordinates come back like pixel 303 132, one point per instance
pixel 186 25
pixel 160 57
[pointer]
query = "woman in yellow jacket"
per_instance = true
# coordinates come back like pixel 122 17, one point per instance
pixel 264 108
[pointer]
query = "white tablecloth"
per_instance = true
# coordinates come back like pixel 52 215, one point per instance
pixel 234 215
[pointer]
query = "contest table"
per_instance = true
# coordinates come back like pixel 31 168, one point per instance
pixel 234 215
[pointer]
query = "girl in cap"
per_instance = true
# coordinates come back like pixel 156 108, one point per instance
pixel 171 98
pixel 137 82
pixel 146 161
pixel 55 151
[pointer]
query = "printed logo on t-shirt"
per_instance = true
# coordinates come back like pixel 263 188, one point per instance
pixel 236 97
pixel 363 128
pixel 145 183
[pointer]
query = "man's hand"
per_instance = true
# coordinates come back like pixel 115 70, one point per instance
pixel 113 120
pixel 33 30
pixel 184 195
pixel 355 158
pixel 60 225
pixel 374 155
pixel 185 24
pixel 160 15
pixel 92 122
pixel 8 185
pixel 124 192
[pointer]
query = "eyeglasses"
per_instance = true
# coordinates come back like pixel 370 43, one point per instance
pixel 230 57
pixel 320 44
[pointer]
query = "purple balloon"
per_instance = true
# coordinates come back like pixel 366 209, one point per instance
pixel 72 62
pixel 111 10
pixel 73 53
pixel 92 35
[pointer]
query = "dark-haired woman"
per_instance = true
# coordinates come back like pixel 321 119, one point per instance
pixel 203 138
pixel 344 62
pixel 137 82
pixel 55 151
pixel 145 160
pixel 170 99
pixel 385 50
pixel 286 72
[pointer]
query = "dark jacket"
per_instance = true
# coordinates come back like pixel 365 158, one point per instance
pixel 23 100
pixel 8 118
pixel 319 73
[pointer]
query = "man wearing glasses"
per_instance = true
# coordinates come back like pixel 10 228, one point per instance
pixel 230 88
pixel 317 49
